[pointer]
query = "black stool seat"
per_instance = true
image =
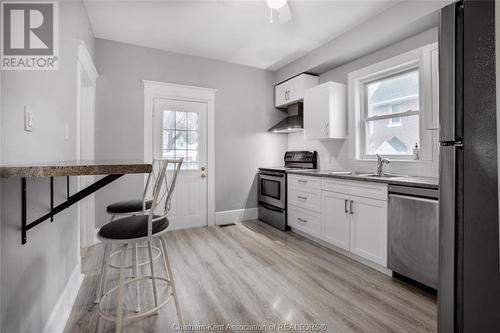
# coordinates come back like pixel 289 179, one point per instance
pixel 128 206
pixel 132 227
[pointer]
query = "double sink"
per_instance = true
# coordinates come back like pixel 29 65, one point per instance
pixel 370 175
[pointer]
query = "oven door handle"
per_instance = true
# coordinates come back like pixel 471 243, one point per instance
pixel 280 175
pixel 274 209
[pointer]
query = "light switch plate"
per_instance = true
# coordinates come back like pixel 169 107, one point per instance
pixel 28 119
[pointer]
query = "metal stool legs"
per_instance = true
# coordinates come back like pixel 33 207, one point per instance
pixel 102 293
pixel 168 272
pixel 103 271
pixel 121 287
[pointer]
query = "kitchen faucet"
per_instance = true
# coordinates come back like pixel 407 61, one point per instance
pixel 380 164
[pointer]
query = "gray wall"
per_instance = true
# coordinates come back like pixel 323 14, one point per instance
pixel 243 113
pixel 334 154
pixel 34 275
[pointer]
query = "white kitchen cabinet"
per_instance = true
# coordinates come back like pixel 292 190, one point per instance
pixel 325 111
pixel 304 220
pixel 368 229
pixel 292 90
pixel 349 215
pixel 336 219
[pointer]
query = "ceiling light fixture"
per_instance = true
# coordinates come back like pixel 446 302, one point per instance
pixel 281 8
pixel 276 4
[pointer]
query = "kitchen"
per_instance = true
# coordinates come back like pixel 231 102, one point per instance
pixel 320 171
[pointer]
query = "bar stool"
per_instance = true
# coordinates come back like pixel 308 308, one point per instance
pixel 136 229
pixel 131 208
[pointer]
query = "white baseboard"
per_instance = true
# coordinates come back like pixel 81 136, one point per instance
pixel 62 309
pixel 236 216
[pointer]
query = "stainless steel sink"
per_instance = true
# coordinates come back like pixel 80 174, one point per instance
pixel 384 175
pixel 340 173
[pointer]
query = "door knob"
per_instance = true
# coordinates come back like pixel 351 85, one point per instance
pixel 202 168
pixel 203 175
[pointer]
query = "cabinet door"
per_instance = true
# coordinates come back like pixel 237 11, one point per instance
pixel 368 231
pixel 316 112
pixel 336 219
pixel 280 94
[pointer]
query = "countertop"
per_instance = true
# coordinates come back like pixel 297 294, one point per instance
pixel 75 168
pixel 426 182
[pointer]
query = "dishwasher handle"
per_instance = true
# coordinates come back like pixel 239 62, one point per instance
pixel 409 197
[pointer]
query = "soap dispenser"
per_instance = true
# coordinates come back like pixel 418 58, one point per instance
pixel 416 155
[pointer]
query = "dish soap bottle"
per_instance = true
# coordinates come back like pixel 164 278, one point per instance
pixel 416 155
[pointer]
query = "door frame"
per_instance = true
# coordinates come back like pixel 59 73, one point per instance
pixel 156 89
pixel 86 76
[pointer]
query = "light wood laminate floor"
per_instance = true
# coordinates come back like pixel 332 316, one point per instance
pixel 251 273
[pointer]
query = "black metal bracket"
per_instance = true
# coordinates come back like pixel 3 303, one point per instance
pixel 71 200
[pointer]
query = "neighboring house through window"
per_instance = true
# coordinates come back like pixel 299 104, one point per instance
pixel 390 105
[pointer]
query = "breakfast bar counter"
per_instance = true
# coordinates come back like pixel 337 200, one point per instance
pixel 111 169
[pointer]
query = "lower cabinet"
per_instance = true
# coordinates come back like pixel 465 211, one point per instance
pixel 336 219
pixel 356 224
pixel 350 215
pixel 368 229
pixel 304 220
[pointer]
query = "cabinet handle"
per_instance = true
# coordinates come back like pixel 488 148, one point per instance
pixel 301 197
pixel 326 129
pixel 350 207
pixel 301 220
pixel 302 181
pixel 346 210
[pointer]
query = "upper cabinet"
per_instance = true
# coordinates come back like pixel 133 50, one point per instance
pixel 325 111
pixel 292 90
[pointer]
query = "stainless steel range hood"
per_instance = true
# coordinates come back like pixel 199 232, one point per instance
pixel 293 123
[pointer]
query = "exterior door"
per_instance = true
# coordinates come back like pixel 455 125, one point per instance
pixel 180 130
pixel 336 219
pixel 369 229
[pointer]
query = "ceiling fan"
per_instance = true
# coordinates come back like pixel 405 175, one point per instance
pixel 281 8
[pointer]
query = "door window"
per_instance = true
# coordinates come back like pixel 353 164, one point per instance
pixel 180 137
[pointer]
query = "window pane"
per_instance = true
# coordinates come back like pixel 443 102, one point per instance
pixel 168 140
pixel 168 119
pixel 384 139
pixel 397 93
pixel 179 154
pixel 180 139
pixel 192 140
pixel 192 121
pixel 180 120
pixel 168 154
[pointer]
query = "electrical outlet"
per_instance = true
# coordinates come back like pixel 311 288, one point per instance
pixel 28 119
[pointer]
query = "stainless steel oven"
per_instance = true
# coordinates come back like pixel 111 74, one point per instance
pixel 272 188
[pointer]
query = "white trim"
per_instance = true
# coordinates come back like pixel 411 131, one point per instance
pixel 60 314
pixel 236 216
pixel 85 59
pixel 156 89
pixel 86 85
pixel 417 58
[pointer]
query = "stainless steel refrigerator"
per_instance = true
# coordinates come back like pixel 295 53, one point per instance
pixel 469 279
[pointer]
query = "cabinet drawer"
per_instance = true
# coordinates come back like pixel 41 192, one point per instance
pixel 308 198
pixel 358 188
pixel 304 181
pixel 304 220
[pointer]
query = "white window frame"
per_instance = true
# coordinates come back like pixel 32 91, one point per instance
pixel 415 59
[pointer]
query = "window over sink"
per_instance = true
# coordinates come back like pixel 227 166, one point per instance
pixel 391 100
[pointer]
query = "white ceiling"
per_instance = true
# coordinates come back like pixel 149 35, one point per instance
pixel 234 31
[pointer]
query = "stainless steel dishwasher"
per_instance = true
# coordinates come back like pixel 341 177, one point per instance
pixel 413 233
